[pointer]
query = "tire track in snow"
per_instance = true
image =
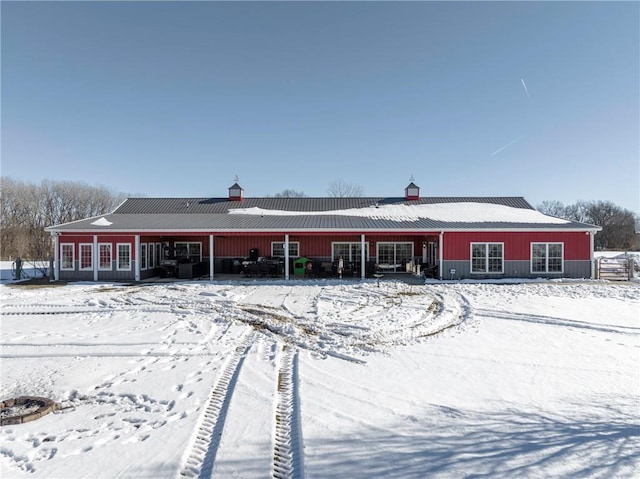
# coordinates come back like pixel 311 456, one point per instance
pixel 455 313
pixel 203 448
pixel 57 312
pixel 287 441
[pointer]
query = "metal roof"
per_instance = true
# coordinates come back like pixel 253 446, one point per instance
pixel 223 205
pixel 228 223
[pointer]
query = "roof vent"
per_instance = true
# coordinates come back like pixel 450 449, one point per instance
pixel 412 192
pixel 236 193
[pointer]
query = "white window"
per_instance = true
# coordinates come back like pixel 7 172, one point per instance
pixel 547 257
pixel 394 256
pixel 104 253
pixel 277 249
pixel 86 256
pixel 67 256
pixel 158 253
pixel 189 250
pixel 124 257
pixel 143 256
pixel 487 257
pixel 350 252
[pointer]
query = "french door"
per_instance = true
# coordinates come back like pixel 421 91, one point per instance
pixel 394 256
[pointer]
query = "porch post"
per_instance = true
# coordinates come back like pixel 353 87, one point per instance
pixel 363 266
pixel 136 250
pixel 210 257
pixel 591 255
pixel 56 257
pixel 96 257
pixel 440 254
pixel 286 256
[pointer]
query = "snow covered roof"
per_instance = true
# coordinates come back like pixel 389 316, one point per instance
pixel 316 215
pixel 468 212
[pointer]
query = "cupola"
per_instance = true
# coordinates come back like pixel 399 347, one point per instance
pixel 236 193
pixel 412 192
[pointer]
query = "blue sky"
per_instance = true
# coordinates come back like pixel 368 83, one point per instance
pixel 533 99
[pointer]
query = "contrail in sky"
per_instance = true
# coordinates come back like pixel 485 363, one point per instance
pixel 524 85
pixel 505 146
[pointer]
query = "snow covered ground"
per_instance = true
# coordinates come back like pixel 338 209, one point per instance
pixel 324 379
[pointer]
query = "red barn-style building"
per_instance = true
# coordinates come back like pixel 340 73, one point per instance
pixel 447 238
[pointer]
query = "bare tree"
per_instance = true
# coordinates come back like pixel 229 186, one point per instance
pixel 27 209
pixel 553 208
pixel 618 224
pixel 289 193
pixel 341 189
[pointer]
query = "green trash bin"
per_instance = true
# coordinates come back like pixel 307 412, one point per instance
pixel 298 266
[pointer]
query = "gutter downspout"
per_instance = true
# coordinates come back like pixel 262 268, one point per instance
pixel 137 260
pixel 210 257
pixel 96 257
pixel 56 257
pixel 363 266
pixel 440 254
pixel 591 254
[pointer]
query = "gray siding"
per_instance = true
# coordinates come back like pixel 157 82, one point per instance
pixel 516 269
pixel 103 275
pixel 116 275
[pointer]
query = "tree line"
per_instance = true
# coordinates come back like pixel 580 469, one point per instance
pixel 26 209
pixel 619 225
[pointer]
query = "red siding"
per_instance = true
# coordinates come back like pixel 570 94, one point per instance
pixel 517 245
pixel 310 245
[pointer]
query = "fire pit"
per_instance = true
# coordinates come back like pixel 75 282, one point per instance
pixel 24 409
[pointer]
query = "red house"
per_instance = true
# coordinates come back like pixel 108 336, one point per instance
pixel 448 237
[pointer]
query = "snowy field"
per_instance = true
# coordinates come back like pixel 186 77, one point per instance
pixel 324 379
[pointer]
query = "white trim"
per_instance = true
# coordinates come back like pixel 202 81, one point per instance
pixel 188 243
pixel 363 257
pixel 351 243
pixel 286 256
pixel 591 255
pixel 100 267
pixel 441 254
pixel 349 231
pixel 546 257
pixel 158 253
pixel 96 258
pixel 396 264
pixel 286 249
pixel 211 258
pixel 144 256
pixel 486 258
pixel 128 246
pixel 56 257
pixel 151 258
pixel 73 257
pixel 136 263
pixel 80 248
